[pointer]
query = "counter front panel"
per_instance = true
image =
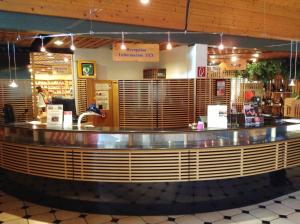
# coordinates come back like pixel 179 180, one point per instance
pixel 149 156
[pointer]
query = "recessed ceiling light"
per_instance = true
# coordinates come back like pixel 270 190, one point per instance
pixel 145 2
pixel 58 42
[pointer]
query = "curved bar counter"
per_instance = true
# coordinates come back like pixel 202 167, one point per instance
pixel 149 171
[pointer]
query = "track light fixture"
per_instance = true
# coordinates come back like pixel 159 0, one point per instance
pixel 9 69
pixel 43 49
pixel 123 45
pixel 292 83
pixel 169 44
pixel 296 57
pixel 13 83
pixel 72 47
pixel 221 46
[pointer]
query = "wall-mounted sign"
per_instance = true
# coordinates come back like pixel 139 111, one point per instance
pixel 220 88
pixel 102 95
pixel 227 64
pixel 201 72
pixel 86 69
pixel 61 69
pixel 136 52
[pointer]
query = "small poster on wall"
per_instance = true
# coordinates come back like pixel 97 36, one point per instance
pixel 102 95
pixel 86 69
pixel 220 88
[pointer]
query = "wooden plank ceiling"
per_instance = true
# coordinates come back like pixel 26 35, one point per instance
pixel 27 38
pixel 11 36
pixel 275 19
pixel 246 53
pixel 257 18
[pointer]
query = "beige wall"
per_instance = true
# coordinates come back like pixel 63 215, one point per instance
pixel 180 63
pixel 107 69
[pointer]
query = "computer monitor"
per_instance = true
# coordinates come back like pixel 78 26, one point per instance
pixel 69 105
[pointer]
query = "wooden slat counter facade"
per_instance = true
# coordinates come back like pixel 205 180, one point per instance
pixel 160 165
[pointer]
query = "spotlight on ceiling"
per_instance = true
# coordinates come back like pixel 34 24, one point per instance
pixel 72 47
pixel 123 45
pixel 58 42
pixel 221 45
pixel 169 44
pixel 145 2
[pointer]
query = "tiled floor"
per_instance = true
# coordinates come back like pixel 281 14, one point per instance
pixel 282 210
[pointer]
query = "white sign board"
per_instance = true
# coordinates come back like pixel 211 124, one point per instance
pixel 55 115
pixel 68 119
pixel 217 116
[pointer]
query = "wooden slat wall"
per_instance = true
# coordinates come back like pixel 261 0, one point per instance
pixel 137 103
pixel 156 103
pixel 81 96
pixel 20 98
pixel 224 100
pixel 203 96
pixel 206 95
pixel 140 166
pixel 175 103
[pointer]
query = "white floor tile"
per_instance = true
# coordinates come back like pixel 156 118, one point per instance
pixel 292 203
pixel 225 221
pixel 245 219
pixel 188 219
pixel 210 216
pixel 280 209
pixel 131 220
pixel 154 219
pixel 294 217
pixel 282 221
pixel 231 212
pixel 264 214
